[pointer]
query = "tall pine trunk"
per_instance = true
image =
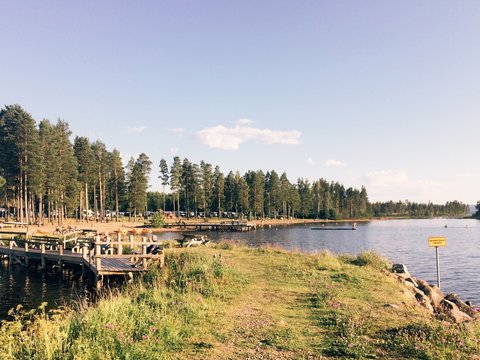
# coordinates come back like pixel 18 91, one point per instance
pixel 95 207
pixel 86 200
pixel 20 198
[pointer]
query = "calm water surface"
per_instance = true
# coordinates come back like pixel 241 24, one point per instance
pixel 403 241
pixel 30 287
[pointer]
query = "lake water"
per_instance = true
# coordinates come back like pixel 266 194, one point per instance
pixel 30 287
pixel 402 241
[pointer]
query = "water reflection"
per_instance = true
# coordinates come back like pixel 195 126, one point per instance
pixel 30 287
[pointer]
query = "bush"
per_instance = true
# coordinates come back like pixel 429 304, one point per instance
pixel 157 220
pixel 369 258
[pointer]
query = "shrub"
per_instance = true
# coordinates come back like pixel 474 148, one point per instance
pixel 158 220
pixel 371 259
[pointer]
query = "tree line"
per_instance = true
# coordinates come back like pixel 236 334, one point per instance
pixel 47 177
pixel 200 189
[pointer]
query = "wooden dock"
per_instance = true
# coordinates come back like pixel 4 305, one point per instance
pixel 97 258
pixel 215 226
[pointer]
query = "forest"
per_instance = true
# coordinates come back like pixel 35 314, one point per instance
pixel 48 174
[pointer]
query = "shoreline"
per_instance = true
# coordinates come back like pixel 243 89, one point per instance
pixel 114 226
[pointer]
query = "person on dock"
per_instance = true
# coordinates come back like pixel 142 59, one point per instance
pixel 106 238
pixel 152 249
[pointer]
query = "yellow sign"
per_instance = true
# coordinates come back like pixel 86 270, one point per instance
pixel 435 241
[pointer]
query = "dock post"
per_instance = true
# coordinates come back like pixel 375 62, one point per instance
pixel 26 253
pixel 98 259
pixel 42 255
pixel 10 255
pixel 130 238
pixel 98 281
pixel 85 258
pixel 60 254
pixel 144 252
pixel 120 246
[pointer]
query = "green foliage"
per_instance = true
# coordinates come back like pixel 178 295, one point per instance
pixel 477 207
pixel 157 220
pixel 431 342
pixel 193 272
pixel 153 318
pixel 349 339
pixel 368 258
pixel 284 305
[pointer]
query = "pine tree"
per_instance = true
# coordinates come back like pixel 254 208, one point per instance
pixel 175 182
pixel 164 176
pixel 117 179
pixel 218 190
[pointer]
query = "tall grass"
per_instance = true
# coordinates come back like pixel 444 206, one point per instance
pixel 150 319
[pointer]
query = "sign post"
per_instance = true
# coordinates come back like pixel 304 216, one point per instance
pixel 436 241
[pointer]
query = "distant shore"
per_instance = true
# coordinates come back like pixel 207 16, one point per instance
pixel 113 226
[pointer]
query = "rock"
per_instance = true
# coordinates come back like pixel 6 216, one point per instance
pixel 452 311
pixel 423 300
pixel 469 303
pixel 422 284
pixel 406 278
pixel 412 281
pixel 436 295
pixel 400 269
pixel 461 305
pixel 433 292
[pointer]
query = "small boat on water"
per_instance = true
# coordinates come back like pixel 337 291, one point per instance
pixel 353 227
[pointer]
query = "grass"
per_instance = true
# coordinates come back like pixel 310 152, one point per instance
pixel 234 302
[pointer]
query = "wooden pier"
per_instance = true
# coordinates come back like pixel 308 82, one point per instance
pixel 97 258
pixel 215 226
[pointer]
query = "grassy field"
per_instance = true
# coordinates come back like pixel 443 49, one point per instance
pixel 233 302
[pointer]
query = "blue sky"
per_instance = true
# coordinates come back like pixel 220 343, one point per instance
pixel 384 94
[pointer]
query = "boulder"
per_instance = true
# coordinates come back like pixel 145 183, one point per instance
pixel 411 280
pixel 452 311
pixel 436 295
pixel 423 300
pixel 400 269
pixel 433 292
pixel 422 284
pixel 461 305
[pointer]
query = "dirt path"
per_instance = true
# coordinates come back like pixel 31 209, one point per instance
pixel 261 323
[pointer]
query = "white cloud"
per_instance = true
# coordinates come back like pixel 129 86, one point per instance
pixel 133 129
pixel 173 150
pixel 222 137
pixel 386 178
pixel 177 130
pixel 387 185
pixel 310 161
pixel 333 162
pixel 467 175
pixel 243 122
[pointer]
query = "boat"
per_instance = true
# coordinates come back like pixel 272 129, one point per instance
pixel 353 227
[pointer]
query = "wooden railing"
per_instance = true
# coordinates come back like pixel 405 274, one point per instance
pixel 125 250
pixel 90 251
